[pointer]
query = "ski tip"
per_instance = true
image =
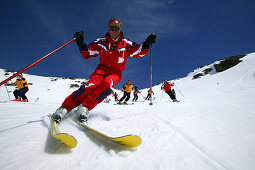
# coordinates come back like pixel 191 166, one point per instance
pixel 66 139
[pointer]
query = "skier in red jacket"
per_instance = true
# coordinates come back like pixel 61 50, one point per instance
pixel 167 88
pixel 114 50
pixel 115 95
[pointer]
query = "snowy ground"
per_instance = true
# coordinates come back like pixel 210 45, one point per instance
pixel 211 128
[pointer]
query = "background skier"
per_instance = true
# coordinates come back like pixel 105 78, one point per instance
pixel 127 88
pixel 115 95
pixel 167 88
pixel 136 91
pixel 114 50
pixel 22 86
pixel 150 92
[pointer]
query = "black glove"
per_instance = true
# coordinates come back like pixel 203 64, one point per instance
pixel 80 40
pixel 151 39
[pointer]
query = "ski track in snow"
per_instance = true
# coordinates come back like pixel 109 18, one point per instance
pixel 208 157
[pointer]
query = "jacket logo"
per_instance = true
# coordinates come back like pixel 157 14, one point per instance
pixel 121 60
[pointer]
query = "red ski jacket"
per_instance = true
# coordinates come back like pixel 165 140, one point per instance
pixel 166 87
pixel 114 54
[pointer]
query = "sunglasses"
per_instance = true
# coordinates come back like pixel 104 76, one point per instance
pixel 116 28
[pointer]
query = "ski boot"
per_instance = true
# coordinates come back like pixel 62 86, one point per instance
pixel 175 100
pixel 82 114
pixel 17 100
pixel 59 114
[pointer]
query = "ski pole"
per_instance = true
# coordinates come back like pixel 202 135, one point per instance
pixel 151 78
pixel 161 96
pixel 178 90
pixel 141 94
pixel 20 94
pixel 7 93
pixel 31 65
pixel 120 94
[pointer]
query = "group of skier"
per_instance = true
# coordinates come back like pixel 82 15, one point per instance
pixel 114 49
pixel 22 89
pixel 128 88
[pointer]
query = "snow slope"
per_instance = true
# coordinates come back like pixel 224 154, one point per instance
pixel 211 128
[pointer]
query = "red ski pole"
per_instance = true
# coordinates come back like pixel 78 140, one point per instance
pixel 31 65
pixel 151 78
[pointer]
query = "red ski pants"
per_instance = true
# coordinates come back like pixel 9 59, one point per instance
pixel 100 83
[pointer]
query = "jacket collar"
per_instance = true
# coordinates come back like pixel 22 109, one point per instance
pixel 110 40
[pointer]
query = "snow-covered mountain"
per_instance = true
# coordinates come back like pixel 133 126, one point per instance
pixel 211 128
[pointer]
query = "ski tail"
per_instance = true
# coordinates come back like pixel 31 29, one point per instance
pixel 127 140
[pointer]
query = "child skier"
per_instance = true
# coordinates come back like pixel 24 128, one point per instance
pixel 136 91
pixel 150 92
pixel 115 95
pixel 114 50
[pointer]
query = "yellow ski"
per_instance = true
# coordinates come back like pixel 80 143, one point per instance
pixel 127 141
pixel 65 138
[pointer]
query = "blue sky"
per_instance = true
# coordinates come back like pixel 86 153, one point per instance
pixel 190 34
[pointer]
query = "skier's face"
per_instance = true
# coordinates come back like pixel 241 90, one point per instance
pixel 114 29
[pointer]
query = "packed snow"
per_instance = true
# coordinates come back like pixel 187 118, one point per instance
pixel 212 127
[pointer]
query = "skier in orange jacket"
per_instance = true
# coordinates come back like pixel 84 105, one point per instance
pixel 150 92
pixel 127 88
pixel 22 89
